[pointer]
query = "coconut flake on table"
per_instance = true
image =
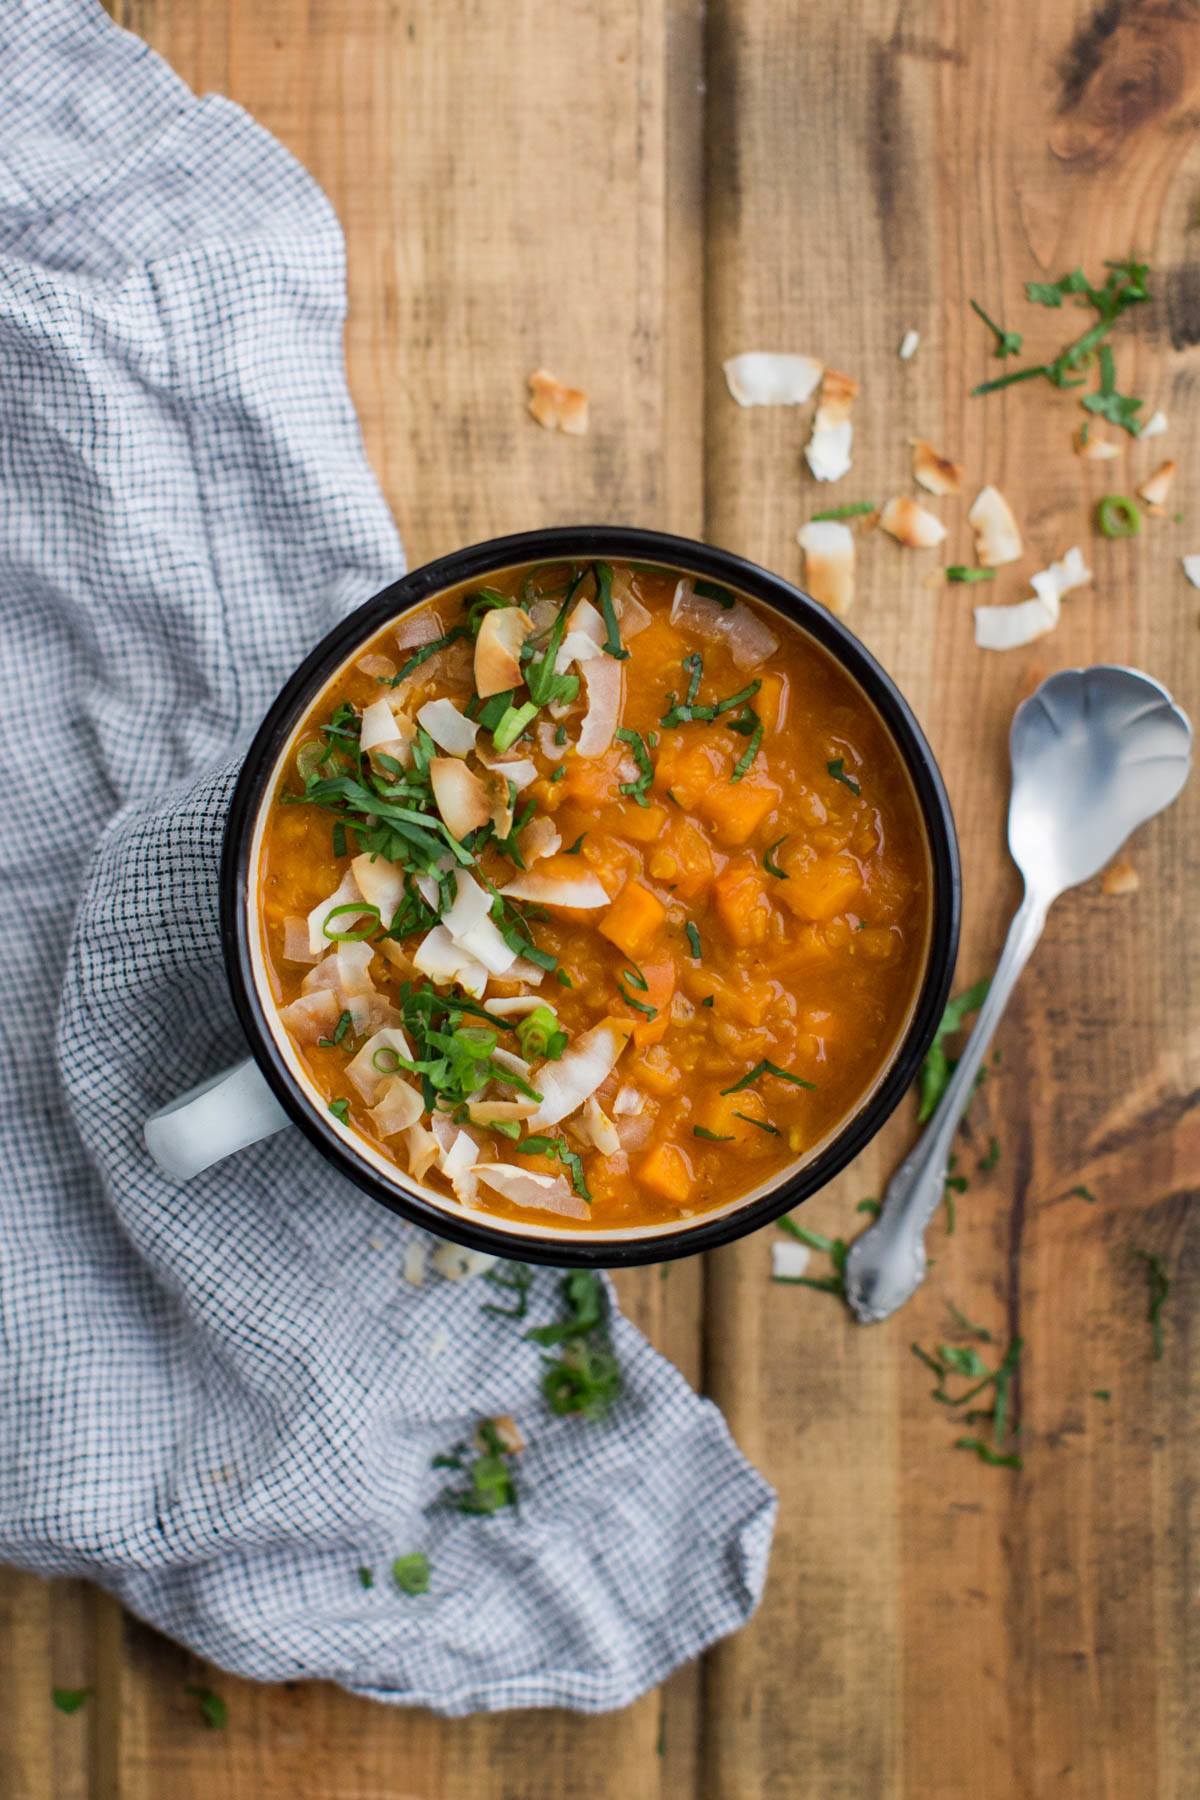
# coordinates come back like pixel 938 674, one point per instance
pixel 590 1059
pixel 344 894
pixel 502 635
pixel 789 1260
pixel 555 406
pixel 470 924
pixel 771 377
pixel 997 539
pixel 935 473
pixel 1012 627
pixel 361 1068
pixel 750 641
pixel 912 524
pixel 1155 425
pixel 443 961
pixel 461 796
pixel 448 726
pixel 1120 877
pixel 398 1107
pixel 1154 491
pixel 538 839
pixel 296 947
pixel 525 1187
pixel 599 1128
pixel 381 884
pixel 1092 448
pixel 312 1016
pixel 604 679
pixel 1191 568
pixel 908 345
pixel 454 1262
pixel 828 449
pixel 414 1262
pixel 582 892
pixel 828 563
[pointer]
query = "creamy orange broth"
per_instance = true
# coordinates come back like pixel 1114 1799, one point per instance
pixel 814 970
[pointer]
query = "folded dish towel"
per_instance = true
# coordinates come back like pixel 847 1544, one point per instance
pixel 221 1400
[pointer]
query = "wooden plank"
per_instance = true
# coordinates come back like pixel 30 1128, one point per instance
pixel 550 216
pixel 934 1627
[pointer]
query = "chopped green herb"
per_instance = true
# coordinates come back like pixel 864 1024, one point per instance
pixel 769 863
pixel 612 642
pixel 585 1378
pixel 560 734
pixel 988 1163
pixel 557 774
pixel 490 1481
pixel 213 1709
pixel 748 755
pixel 1008 343
pixel 693 938
pixel 426 651
pixel 544 684
pixel 339 1032
pixel 837 768
pixel 517 1279
pixel 712 590
pixel 69 1700
pixel 339 838
pixel 710 1137
pixel 411 1573
pixel 1101 1394
pixel 767 1068
pixel 1050 293
pixel 1118 517
pixel 938 1067
pixel 858 509
pixel 577 846
pixel 986 1454
pixel 874 1207
pixel 340 1110
pixel 570 1159
pixel 565 979
pixel 707 1000
pixel 636 790
pixel 965 1324
pixel 651 1012
pixel 1082 1193
pixel 759 1124
pixel 366 1577
pixel 1158 1283
pixel 957 572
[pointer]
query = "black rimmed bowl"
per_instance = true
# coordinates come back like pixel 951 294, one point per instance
pixel 369 1169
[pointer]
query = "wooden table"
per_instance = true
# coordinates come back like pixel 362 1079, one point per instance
pixel 629 193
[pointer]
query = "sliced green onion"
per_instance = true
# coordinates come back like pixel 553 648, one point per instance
pixel 515 719
pixel 856 511
pixel 340 1110
pixel 1118 516
pixel 363 931
pixel 958 572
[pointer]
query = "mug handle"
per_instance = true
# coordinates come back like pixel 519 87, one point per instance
pixel 211 1121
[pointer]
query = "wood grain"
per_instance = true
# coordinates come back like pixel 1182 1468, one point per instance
pixel 630 193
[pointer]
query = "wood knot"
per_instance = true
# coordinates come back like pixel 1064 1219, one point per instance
pixel 1132 63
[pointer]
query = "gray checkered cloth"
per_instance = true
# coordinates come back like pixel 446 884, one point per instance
pixel 220 1399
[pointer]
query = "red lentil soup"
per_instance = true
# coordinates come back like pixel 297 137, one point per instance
pixel 595 893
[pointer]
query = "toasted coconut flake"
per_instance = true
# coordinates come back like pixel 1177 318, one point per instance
pixel 551 749
pixel 912 524
pixel 828 449
pixel 629 1102
pixel 632 616
pixel 462 799
pixel 498 649
pixel 590 1059
pixel 381 667
pixel 936 473
pixel 605 681
pixel 751 641
pixel 414 1255
pixel 556 406
pixel 1154 491
pixel 418 628
pixel 353 963
pixel 369 1012
pixel 508 1059
pixel 311 1017
pixel 470 925
pixel 422 1150
pixel 345 893
pixel 788 1259
pixel 520 770
pixel 381 730
pixel 1060 578
pixel 449 728
pixel 636 1131
pixel 828 563
pixel 460 1166
pixel 542 888
pixel 1155 425
pixel 599 1128
pixel 398 1107
pixel 525 971
pixel 381 884
pixel 908 345
pixel 500 1112
pixel 1092 448
pixel 1191 568
pixel 771 378
pixel 997 539
pixel 540 838
pixel 444 961
pixel 361 1068
pixel 1120 877
pixel 524 1187
pixel 503 808
pixel 1011 627
pixel 513 1006
pixel 296 947
pixel 456 1263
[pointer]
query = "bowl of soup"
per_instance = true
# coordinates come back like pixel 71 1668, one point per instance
pixel 590 896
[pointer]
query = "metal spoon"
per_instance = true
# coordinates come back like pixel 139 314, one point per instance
pixel 1095 753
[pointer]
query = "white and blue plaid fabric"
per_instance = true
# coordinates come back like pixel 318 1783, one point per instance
pixel 221 1399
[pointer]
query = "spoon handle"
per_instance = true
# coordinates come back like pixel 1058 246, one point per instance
pixel 887 1263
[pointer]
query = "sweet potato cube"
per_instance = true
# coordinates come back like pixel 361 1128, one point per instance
pixel 682 859
pixel 660 986
pixel 736 809
pixel 746 1001
pixel 641 824
pixel 823 886
pixel 719 1114
pixel 634 919
pixel 742 904
pixel 770 703
pixel 667 1173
